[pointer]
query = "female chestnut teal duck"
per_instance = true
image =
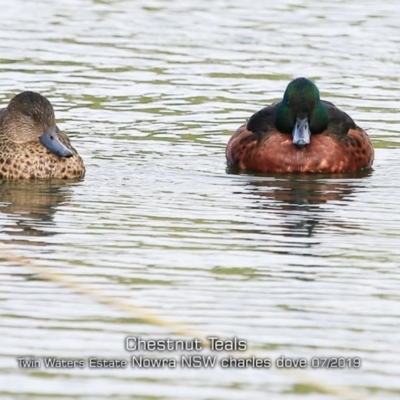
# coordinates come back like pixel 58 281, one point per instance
pixel 31 145
pixel 301 133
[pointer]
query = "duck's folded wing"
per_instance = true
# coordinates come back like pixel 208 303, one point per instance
pixel 263 121
pixel 339 123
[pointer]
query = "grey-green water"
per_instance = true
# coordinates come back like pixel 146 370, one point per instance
pixel 150 92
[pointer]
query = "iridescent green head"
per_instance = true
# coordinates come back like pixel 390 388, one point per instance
pixel 301 112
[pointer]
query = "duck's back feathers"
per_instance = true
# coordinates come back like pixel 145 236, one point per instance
pixel 339 123
pixel 263 121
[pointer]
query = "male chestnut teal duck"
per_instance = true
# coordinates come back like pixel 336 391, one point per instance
pixel 31 145
pixel 301 133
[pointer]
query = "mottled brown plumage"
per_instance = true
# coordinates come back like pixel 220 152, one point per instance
pixel 31 144
pixel 276 153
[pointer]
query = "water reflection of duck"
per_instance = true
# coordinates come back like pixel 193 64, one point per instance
pixel 28 208
pixel 301 133
pixel 297 190
pixel 31 145
pixel 298 198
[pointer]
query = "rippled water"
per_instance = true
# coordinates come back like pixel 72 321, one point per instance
pixel 150 92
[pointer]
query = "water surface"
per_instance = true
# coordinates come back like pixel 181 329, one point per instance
pixel 150 92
